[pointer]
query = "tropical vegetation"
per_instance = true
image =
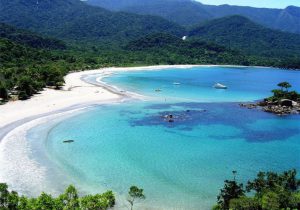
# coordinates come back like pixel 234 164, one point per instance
pixel 268 191
pixel 69 200
pixel 284 93
pixel 135 194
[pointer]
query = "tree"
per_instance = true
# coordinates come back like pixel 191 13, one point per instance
pixel 135 194
pixel 4 196
pixel 290 181
pixel 70 198
pixel 45 202
pixel 271 181
pixel 285 85
pixel 23 203
pixel 295 201
pixel 25 87
pixel 270 201
pixel 3 91
pixel 13 200
pixel 277 94
pixel 257 184
pixel 230 191
pixel 244 203
pixel 98 201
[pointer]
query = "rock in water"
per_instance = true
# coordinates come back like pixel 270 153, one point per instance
pixel 68 141
pixel 286 102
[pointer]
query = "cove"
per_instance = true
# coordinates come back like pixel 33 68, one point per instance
pixel 180 165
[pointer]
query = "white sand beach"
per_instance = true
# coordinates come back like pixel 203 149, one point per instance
pixel 75 92
pixel 17 117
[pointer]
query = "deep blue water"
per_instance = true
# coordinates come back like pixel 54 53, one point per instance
pixel 180 164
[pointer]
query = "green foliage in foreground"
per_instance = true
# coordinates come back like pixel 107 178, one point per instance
pixel 268 191
pixel 69 200
pixel 135 194
pixel 284 93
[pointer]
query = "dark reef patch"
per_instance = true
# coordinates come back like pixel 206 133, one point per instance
pixel 189 116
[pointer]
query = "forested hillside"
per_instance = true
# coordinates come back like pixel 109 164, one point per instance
pixel 189 12
pixel 249 37
pixel 76 21
pixel 28 38
pixel 173 50
pixel 29 62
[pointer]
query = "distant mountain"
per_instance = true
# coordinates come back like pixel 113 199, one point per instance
pixel 74 20
pixel 28 38
pixel 184 12
pixel 190 12
pixel 287 19
pixel 237 32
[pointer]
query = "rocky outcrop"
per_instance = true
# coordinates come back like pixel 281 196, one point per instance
pixel 282 107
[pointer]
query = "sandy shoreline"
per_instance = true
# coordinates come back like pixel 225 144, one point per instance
pixel 17 117
pixel 75 92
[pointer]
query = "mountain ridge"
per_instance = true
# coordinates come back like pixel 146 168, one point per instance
pixel 248 36
pixel 74 20
pixel 286 19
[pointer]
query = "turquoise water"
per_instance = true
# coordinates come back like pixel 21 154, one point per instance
pixel 245 83
pixel 180 165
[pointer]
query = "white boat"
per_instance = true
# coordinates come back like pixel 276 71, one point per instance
pixel 220 86
pixel 176 83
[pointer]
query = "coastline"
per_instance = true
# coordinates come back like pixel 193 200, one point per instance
pixel 75 93
pixel 50 106
pixel 18 117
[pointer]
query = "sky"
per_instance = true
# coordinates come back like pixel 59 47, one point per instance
pixel 255 3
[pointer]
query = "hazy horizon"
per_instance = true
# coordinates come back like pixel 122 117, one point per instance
pixel 263 4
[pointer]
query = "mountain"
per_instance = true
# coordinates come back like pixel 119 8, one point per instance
pixel 287 19
pixel 190 12
pixel 184 12
pixel 237 32
pixel 28 38
pixel 74 20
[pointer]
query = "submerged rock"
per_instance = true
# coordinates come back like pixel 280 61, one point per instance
pixel 68 141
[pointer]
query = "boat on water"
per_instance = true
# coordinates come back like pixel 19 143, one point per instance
pixel 220 86
pixel 176 83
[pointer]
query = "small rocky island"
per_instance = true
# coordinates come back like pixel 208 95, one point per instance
pixel 283 101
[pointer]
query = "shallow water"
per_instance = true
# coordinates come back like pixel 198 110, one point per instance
pixel 180 165
pixel 244 83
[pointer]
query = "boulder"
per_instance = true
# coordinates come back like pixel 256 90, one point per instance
pixel 295 103
pixel 286 102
